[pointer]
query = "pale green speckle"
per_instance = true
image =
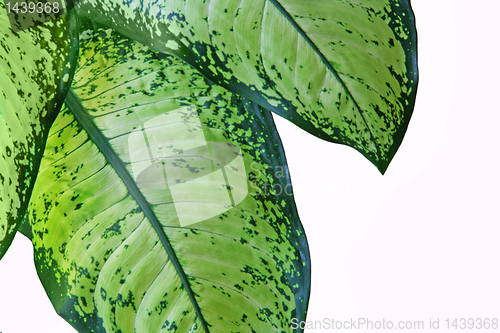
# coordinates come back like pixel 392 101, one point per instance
pixel 172 44
pixel 273 102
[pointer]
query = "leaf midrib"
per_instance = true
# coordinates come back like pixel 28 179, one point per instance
pixel 324 60
pixel 95 134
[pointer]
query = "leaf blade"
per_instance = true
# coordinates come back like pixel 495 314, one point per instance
pixel 90 288
pixel 37 66
pixel 344 71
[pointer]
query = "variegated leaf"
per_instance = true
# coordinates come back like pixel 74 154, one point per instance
pixel 36 66
pixel 344 70
pixel 163 203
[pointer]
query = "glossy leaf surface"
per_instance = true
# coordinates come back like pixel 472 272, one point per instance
pixel 36 66
pixel 344 70
pixel 120 214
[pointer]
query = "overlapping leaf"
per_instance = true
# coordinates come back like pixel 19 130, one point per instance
pixel 36 66
pixel 115 247
pixel 343 70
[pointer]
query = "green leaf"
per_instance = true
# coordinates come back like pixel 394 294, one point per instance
pixel 163 203
pixel 36 66
pixel 345 71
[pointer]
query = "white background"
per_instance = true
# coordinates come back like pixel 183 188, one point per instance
pixel 420 242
